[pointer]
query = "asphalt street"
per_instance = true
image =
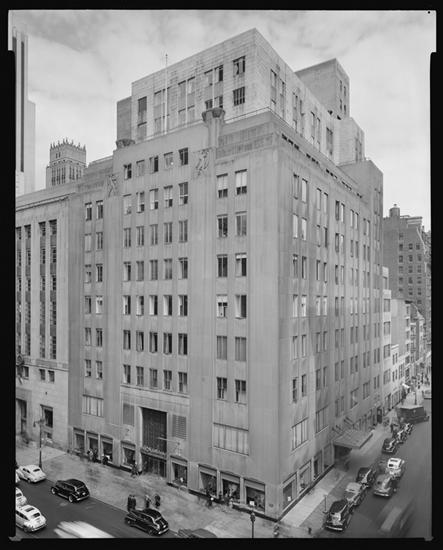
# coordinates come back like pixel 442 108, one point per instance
pixel 415 484
pixel 92 511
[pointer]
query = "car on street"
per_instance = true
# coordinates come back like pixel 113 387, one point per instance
pixel 383 486
pixel 148 520
pixel 366 476
pixel 355 493
pixel 390 445
pixel 72 489
pixel 401 435
pixel 396 521
pixel 338 516
pixel 31 473
pixel 20 499
pixel 80 530
pixel 395 467
pixel 412 413
pixel 427 394
pixel 196 534
pixel 17 479
pixel 29 518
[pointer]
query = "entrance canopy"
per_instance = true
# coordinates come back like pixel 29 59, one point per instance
pixel 353 439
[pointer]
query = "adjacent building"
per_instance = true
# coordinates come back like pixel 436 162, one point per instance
pixel 25 109
pixel 219 295
pixel 407 254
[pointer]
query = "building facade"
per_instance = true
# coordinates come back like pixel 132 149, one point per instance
pixel 25 109
pixel 406 253
pixel 224 290
pixel 67 163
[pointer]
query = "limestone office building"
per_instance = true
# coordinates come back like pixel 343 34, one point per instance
pixel 218 298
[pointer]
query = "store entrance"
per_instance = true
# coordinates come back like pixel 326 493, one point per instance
pixel 153 465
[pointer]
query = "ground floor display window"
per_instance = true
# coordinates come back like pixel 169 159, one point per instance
pixel 179 473
pixel 305 475
pixel 79 442
pixel 255 495
pixel 317 464
pixel 128 455
pixel 230 486
pixel 153 465
pixel 93 442
pixel 107 449
pixel 290 491
pixel 208 480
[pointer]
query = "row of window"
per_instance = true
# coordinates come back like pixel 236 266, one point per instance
pixel 168 198
pixel 182 342
pixel 240 303
pixel 182 305
pixel 410 246
pixel 153 163
pixel 240 389
pixel 154 382
pixel 410 258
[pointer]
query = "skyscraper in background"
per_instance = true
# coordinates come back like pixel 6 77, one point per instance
pixel 25 109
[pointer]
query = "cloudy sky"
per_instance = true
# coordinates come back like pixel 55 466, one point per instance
pixel 81 62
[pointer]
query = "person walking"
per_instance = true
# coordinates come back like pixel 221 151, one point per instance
pixel 147 502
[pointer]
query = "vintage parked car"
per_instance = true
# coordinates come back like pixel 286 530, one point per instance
pixel 401 435
pixel 148 520
pixel 384 486
pixel 395 467
pixel 355 493
pixel 338 516
pixel 366 476
pixel 20 499
pixel 390 445
pixel 72 489
pixel 29 518
pixel 31 473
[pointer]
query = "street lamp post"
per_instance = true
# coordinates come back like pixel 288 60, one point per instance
pixel 252 518
pixel 40 423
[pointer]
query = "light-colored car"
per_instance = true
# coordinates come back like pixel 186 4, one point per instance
pixel 395 467
pixel 80 530
pixel 384 486
pixel 29 518
pixel 354 493
pixel 31 473
pixel 20 499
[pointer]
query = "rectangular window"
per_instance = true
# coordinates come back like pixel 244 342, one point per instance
pixel 295 185
pixel 299 434
pixel 99 240
pixel 127 237
pixel 304 267
pixel 127 204
pixel 167 196
pixel 153 304
pixel 167 232
pixel 183 268
pixel 126 271
pixel 183 382
pixel 183 231
pixel 88 304
pixel 99 210
pixel 88 211
pixel 222 186
pixel 139 340
pixel 88 368
pixel 222 347
pixel 222 387
pixel 183 156
pixel 222 265
pixel 140 235
pixel 153 267
pixel 153 164
pixel 240 265
pixel 239 96
pixel 99 273
pixel 304 345
pixel 140 270
pixel 140 197
pixel 239 66
pixel 126 305
pixel 222 223
pixel 183 305
pixel 87 336
pixel 241 182
pixel 99 337
pixel 304 190
pixel 295 226
pixel 167 268
pixel 126 374
pixel 183 193
pixel 98 305
pixel 167 304
pixel 240 219
pixel 140 305
pixel 126 339
pixel 167 379
pixel 88 273
pixel 153 234
pixel 153 199
pixel 127 169
pixel 222 305
pixel 240 349
pixel 169 159
pixel 295 265
pixel 88 243
pixel 153 342
pixel 240 306
pixel 182 344
pixel 303 306
pixel 167 343
pixel 321 419
pixel 240 391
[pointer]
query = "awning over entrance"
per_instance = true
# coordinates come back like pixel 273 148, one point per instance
pixel 353 439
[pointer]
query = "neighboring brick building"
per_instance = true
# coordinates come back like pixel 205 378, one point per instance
pixel 223 282
pixel 406 253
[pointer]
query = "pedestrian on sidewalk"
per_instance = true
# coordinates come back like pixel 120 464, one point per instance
pixel 131 503
pixel 134 469
pixel 147 502
pixel 157 500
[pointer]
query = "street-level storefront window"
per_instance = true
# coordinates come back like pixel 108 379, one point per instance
pixel 93 442
pixel 305 476
pixel 290 490
pixel 107 449
pixel 230 486
pixel 47 415
pixel 128 455
pixel 327 456
pixel 208 480
pixel 179 473
pixel 79 442
pixel 317 465
pixel 255 495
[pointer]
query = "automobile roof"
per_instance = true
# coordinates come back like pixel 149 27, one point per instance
pixel 338 506
pixel 73 481
pixel 353 486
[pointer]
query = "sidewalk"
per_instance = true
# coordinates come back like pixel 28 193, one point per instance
pixel 180 508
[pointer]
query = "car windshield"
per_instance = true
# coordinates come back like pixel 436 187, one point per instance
pixel 36 470
pixel 349 494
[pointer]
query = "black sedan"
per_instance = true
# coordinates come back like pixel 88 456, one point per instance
pixel 148 520
pixel 72 489
pixel 390 445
